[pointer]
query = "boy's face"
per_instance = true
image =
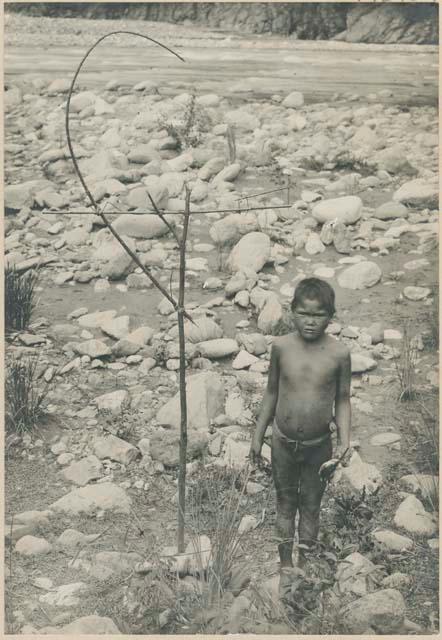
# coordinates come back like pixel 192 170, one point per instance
pixel 311 319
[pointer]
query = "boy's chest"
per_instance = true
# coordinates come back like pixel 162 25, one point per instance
pixel 308 369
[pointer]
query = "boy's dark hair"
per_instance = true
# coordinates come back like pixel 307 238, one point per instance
pixel 315 289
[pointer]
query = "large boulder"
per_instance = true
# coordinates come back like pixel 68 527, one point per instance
pixel 422 192
pixel 92 498
pixel 360 276
pixel 347 210
pixel 381 612
pixel 141 226
pixel 229 230
pixel 165 445
pixel 251 252
pixel 205 401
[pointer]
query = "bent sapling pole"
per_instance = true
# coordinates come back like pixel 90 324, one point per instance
pixel 178 305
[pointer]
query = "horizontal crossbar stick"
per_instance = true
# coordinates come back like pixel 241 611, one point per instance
pixel 168 213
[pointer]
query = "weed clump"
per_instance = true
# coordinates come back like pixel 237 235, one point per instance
pixel 20 298
pixel 24 396
pixel 188 129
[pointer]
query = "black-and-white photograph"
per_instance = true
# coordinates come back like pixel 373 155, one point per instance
pixel 221 318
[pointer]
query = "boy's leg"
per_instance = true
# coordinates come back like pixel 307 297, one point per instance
pixel 311 492
pixel 286 478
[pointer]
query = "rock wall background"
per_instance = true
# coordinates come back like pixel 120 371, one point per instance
pixel 362 22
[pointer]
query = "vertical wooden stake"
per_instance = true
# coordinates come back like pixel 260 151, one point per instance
pixel 183 398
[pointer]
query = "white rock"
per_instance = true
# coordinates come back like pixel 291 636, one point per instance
pixel 391 210
pixel 416 293
pixel 32 546
pixel 359 474
pixel 219 348
pixel 83 471
pixel 251 252
pixel 113 401
pixel 393 541
pixel 294 100
pixel 314 244
pixel 93 349
pixel 244 360
pixel 205 400
pixel 66 595
pixel 109 446
pixel 412 517
pixel 248 523
pixel 360 276
pixel 105 496
pixel 228 230
pixel 86 625
pixel 347 209
pixel 421 483
pixel 270 315
pixel 94 320
pixel 116 327
pixel 381 612
pixel 352 574
pixel 421 192
pixel 361 363
pixel 143 226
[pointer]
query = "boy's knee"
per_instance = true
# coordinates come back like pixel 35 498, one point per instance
pixel 286 507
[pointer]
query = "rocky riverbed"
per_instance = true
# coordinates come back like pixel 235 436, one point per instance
pixel 359 176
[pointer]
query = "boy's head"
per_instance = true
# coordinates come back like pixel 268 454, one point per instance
pixel 313 306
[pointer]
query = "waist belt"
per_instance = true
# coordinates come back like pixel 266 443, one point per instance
pixel 300 443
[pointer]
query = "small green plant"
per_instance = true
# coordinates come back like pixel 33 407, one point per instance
pixel 346 161
pixel 405 366
pixel 24 396
pixel 188 129
pixel 20 298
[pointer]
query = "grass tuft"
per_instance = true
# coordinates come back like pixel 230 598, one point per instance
pixel 24 396
pixel 20 298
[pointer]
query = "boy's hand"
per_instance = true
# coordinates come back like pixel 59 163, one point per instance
pixel 255 452
pixel 327 469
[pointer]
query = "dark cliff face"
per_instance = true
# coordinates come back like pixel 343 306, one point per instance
pixel 361 22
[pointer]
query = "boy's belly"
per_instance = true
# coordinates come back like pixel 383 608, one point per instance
pixel 304 418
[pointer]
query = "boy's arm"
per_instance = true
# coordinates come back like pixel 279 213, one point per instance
pixel 342 404
pixel 268 405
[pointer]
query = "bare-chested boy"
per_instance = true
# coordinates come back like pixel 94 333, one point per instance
pixel 308 388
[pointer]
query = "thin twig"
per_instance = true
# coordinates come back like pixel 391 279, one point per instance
pixel 161 216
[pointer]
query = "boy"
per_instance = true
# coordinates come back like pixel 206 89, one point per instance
pixel 310 372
